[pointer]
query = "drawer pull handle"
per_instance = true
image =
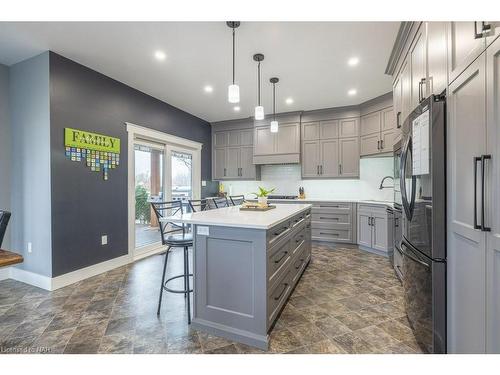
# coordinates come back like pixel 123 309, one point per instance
pixel 301 260
pixel 301 237
pixel 329 218
pixel 285 285
pixel 331 234
pixel 281 258
pixel 283 230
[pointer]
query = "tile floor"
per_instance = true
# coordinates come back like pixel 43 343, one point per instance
pixel 348 301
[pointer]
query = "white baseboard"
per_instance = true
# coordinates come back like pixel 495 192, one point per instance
pixel 53 283
pixel 84 273
pixel 31 278
pixel 156 250
pixel 4 273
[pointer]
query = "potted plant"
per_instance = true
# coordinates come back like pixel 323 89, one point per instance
pixel 262 195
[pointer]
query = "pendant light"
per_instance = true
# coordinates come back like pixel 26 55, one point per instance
pixel 259 110
pixel 274 123
pixel 233 91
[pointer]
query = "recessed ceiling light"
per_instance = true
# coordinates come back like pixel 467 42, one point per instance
pixel 289 101
pixel 160 55
pixel 352 92
pixel 353 61
pixel 208 88
pixel 236 108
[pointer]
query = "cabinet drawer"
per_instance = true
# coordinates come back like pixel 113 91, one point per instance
pixel 298 241
pixel 336 205
pixel 332 218
pixel 332 234
pixel 278 260
pixel 381 209
pixel 299 264
pixel 278 295
pixel 279 231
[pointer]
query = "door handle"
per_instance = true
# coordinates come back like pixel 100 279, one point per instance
pixel 340 168
pixel 476 159
pixel 317 169
pixel 381 144
pixel 224 172
pixel 421 90
pixel 398 120
pixel 483 192
pixel 321 169
pixel 378 145
pixel 484 29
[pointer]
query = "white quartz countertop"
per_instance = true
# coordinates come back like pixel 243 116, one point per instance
pixel 233 217
pixel 313 200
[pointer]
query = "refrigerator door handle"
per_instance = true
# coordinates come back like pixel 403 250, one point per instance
pixel 408 207
pixel 483 192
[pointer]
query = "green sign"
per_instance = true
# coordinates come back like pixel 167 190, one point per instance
pixel 90 141
pixel 99 152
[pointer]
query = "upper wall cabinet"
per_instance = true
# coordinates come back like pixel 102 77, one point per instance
pixel 377 132
pixel 277 148
pixel 417 58
pixel 436 57
pixel 232 155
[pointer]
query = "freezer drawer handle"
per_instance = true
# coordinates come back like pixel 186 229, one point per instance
pixel 405 253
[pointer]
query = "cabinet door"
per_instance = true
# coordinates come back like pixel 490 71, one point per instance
pixel 387 141
pixel 371 123
pixel 234 137
pixel 247 168
pixel 310 131
pixel 232 162
pixel 329 129
pixel 388 118
pixel 463 47
pixel 310 159
pixel 349 127
pixel 418 68
pixel 405 91
pixel 396 101
pixel 264 141
pixel 436 57
pixel 364 229
pixel 246 137
pixel 380 238
pixel 369 144
pixel 466 260
pixel 219 163
pixel 493 216
pixel 329 156
pixel 288 139
pixel 349 157
pixel 221 139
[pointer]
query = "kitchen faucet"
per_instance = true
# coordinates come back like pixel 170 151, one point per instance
pixel 382 183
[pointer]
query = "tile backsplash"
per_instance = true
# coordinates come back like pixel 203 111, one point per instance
pixel 287 180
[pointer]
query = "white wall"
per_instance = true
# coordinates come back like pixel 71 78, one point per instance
pixel 5 140
pixel 287 180
pixel 30 155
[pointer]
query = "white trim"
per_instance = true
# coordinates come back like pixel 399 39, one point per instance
pixel 155 135
pixel 145 254
pixel 84 273
pixel 31 278
pixel 4 273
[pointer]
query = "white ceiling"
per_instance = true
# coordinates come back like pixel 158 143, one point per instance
pixel 310 59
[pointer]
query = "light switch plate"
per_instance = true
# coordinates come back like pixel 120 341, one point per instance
pixel 203 231
pixel 203 183
pixel 104 239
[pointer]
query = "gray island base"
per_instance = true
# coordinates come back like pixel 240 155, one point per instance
pixel 246 265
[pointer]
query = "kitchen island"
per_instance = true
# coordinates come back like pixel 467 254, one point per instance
pixel 245 266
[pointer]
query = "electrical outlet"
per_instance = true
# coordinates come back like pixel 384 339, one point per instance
pixel 203 183
pixel 29 247
pixel 104 239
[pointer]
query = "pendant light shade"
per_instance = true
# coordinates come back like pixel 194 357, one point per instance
pixel 233 91
pixel 274 124
pixel 259 109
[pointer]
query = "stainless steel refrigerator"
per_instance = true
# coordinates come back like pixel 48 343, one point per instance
pixel 423 198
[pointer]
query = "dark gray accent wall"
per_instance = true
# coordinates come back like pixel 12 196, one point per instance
pixel 30 167
pixel 5 140
pixel 84 206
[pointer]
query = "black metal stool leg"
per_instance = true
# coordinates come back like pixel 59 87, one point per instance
pixel 163 280
pixel 186 271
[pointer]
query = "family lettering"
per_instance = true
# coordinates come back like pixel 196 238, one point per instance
pixel 91 141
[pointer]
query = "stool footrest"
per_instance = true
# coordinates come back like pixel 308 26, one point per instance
pixel 183 291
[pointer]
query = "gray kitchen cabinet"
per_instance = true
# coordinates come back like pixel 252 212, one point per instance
pixel 329 129
pixel 277 148
pixel 397 97
pixel 349 157
pixel 405 91
pixel 436 57
pixel 463 46
pixel 329 156
pixel 219 163
pixel 378 131
pixel 233 155
pixel 371 123
pixel 374 228
pixel 417 56
pixel 310 131
pixel 310 158
pixel 348 128
pixel 493 33
pixel 466 257
pixel 333 222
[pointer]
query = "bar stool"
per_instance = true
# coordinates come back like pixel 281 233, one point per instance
pixel 220 202
pixel 236 200
pixel 174 235
pixel 197 205
pixel 4 220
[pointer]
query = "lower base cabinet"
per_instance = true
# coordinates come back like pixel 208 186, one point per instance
pixel 375 228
